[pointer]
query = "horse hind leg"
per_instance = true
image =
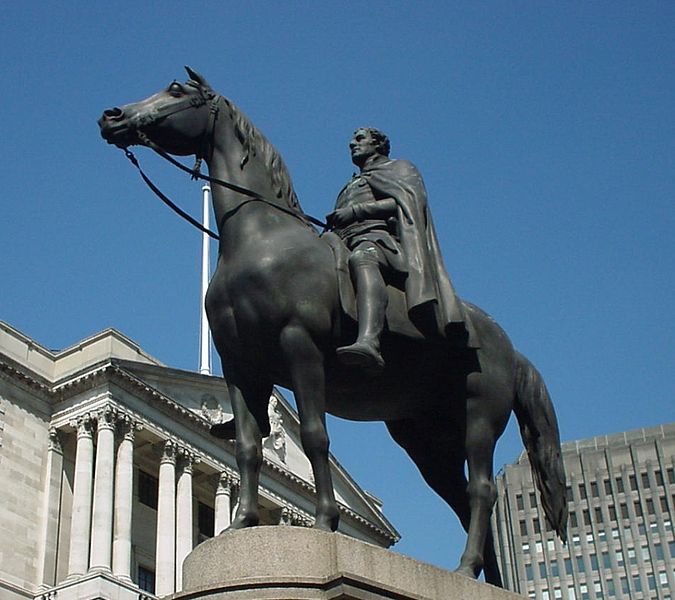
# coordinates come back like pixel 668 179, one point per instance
pixel 481 492
pixel 441 463
pixel 305 362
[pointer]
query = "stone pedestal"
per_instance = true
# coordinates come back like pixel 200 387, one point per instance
pixel 296 563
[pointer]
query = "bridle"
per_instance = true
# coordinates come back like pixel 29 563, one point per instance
pixel 139 123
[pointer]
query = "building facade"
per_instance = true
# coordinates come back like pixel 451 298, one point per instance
pixel 109 476
pixel 621 493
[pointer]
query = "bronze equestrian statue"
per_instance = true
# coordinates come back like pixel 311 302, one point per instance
pixel 274 306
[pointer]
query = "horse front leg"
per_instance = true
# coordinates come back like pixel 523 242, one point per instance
pixel 305 362
pixel 249 405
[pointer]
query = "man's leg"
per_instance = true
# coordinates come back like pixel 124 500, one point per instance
pixel 365 265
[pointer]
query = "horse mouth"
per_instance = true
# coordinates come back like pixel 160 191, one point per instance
pixel 119 134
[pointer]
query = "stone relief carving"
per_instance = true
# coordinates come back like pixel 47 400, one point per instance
pixel 275 443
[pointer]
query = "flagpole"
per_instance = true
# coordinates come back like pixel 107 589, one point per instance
pixel 205 334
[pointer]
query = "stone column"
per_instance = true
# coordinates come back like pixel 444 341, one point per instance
pixel 124 484
pixel 50 512
pixel 166 522
pixel 183 514
pixel 223 504
pixel 81 513
pixel 102 513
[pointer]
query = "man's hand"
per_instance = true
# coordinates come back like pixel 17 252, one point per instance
pixel 341 217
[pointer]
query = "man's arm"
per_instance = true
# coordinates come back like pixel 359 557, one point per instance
pixel 376 209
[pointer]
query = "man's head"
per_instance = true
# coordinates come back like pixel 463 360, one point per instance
pixel 366 142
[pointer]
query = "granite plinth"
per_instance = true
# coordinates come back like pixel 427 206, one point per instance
pixel 296 563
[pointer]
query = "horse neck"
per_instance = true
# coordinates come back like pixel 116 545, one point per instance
pixel 229 207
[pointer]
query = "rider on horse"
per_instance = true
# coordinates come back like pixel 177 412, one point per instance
pixel 383 218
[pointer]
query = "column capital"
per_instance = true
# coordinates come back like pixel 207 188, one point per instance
pixel 55 441
pixel 127 426
pixel 168 452
pixel 226 482
pixel 186 459
pixel 291 516
pixel 106 417
pixel 84 424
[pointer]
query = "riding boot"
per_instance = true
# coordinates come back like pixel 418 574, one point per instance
pixel 371 304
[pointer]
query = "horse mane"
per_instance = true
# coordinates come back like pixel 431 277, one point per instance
pixel 255 143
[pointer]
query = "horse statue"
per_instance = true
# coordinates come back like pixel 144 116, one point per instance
pixel 274 311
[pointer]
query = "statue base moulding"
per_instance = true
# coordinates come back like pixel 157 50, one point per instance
pixel 296 563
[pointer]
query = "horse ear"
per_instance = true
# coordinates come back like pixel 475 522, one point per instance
pixel 197 77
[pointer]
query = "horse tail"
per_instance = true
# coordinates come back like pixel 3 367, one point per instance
pixel 539 431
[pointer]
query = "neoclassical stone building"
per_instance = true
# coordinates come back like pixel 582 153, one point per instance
pixel 109 477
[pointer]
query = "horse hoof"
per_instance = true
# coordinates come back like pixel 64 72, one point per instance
pixel 466 572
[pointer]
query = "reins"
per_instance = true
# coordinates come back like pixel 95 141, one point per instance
pixel 196 174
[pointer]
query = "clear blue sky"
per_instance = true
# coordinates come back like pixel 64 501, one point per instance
pixel 544 131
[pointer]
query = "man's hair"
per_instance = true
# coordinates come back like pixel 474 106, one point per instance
pixel 383 144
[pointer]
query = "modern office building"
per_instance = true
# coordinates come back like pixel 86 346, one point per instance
pixel 621 492
pixel 109 477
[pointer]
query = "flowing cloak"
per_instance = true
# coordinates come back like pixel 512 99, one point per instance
pixel 431 297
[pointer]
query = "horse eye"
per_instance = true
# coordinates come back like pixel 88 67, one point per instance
pixel 175 89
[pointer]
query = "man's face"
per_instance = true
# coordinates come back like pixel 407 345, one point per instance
pixel 362 147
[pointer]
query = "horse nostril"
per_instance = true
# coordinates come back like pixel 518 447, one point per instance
pixel 113 113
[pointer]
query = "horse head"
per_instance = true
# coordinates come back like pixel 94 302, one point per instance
pixel 176 118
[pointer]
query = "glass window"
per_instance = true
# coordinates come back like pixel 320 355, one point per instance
pixel 545 595
pixel 568 566
pixel 624 585
pixel 642 529
pixel 619 485
pixel 526 547
pixel 550 545
pixel 619 557
pixel 146 579
pixel 587 516
pixel 573 519
pixel 611 590
pixel 664 503
pixel 612 512
pixel 583 588
pixel 568 493
pixel 542 570
pixel 557 593
pixel 582 491
pixel 602 536
pixel 651 581
pixel 627 533
pixel 637 583
pixel 671 547
pixel 576 540
pixel 148 489
pixel 594 562
pixel 663 578
pixel 529 575
pixel 659 477
pixel 658 551
pixel 519 502
pixel 606 562
pixel 645 553
pixel 533 500
pixel 555 572
pixel 645 480
pixel 671 475
pixel 632 480
pixel 523 528
pixel 538 547
pixel 650 506
pixel 571 594
pixel 580 564
pixel 615 532
pixel 598 514
pixel 594 489
pixel 638 508
pixel 632 556
pixel 624 511
pixel 536 526
pixel 608 486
